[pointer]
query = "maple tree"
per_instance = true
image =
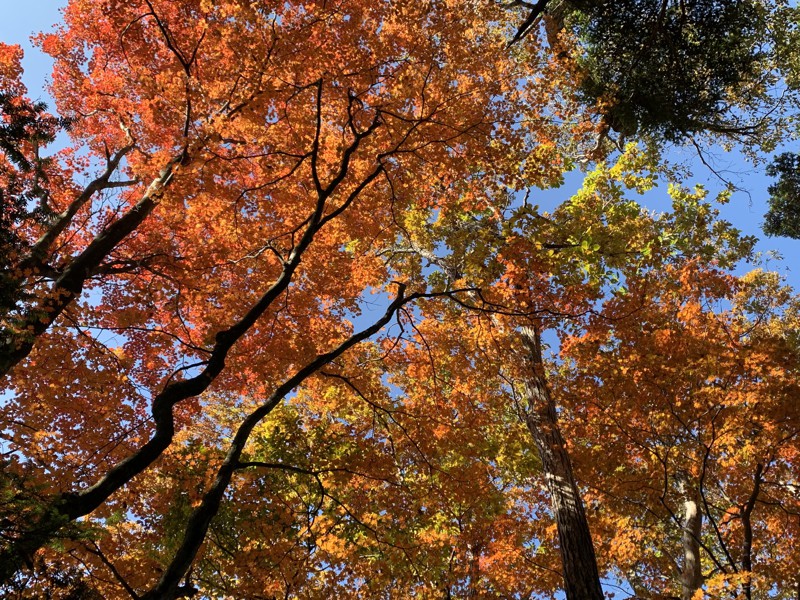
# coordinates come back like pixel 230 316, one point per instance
pixel 698 425
pixel 24 196
pixel 288 180
pixel 613 247
pixel 201 400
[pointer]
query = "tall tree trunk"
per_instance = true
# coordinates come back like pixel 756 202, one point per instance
pixel 691 576
pixel 581 577
pixel 747 526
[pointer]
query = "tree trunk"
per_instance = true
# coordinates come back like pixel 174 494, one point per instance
pixel 747 527
pixel 691 576
pixel 581 577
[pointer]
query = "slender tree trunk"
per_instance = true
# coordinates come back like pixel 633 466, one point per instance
pixel 747 526
pixel 581 577
pixel 691 576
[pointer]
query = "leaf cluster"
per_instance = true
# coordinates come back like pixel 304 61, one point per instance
pixel 25 126
pixel 783 216
pixel 669 69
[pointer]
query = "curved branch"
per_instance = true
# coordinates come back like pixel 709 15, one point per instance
pixel 200 519
pixel 18 344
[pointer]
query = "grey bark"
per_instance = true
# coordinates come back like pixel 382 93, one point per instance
pixel 691 575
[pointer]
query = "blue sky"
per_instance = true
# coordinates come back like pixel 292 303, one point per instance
pixel 20 20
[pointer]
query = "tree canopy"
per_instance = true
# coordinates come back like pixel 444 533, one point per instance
pixel 282 319
pixel 671 70
pixel 783 217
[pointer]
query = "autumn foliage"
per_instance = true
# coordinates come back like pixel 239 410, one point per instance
pixel 271 322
